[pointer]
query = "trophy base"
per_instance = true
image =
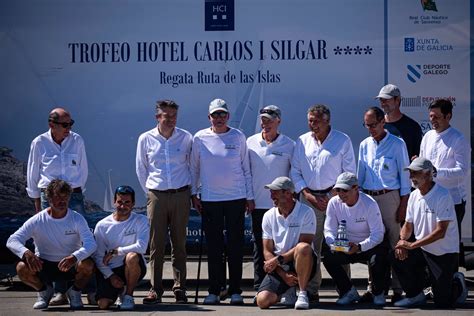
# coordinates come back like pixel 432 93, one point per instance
pixel 340 248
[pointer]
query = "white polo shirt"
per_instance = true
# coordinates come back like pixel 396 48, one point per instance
pixel 285 232
pixel 317 166
pixel 425 211
pixel 267 162
pixel 449 152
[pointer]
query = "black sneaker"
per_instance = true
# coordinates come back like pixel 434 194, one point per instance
pixel 180 296
pixel 153 297
pixel 367 297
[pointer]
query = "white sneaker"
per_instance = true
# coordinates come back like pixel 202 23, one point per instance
pixel 236 299
pixel 350 297
pixel 75 300
pixel 420 299
pixel 463 295
pixel 302 302
pixel 211 299
pixel 128 303
pixel 119 299
pixel 44 297
pixel 289 297
pixel 379 300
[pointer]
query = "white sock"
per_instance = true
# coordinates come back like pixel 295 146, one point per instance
pixel 303 293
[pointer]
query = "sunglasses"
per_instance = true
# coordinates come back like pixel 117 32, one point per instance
pixel 371 125
pixel 270 112
pixel 218 114
pixel 342 190
pixel 124 189
pixel 64 124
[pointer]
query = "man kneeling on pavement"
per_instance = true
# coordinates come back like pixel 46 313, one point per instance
pixel 63 244
pixel 122 240
pixel 365 234
pixel 431 217
pixel 288 231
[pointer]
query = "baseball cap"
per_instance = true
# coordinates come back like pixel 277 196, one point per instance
pixel 218 105
pixel 271 112
pixel 420 163
pixel 346 181
pixel 281 183
pixel 389 91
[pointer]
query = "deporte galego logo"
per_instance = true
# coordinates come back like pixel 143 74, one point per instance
pixel 219 15
pixel 415 72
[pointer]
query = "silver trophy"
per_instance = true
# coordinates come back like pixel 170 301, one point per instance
pixel 341 243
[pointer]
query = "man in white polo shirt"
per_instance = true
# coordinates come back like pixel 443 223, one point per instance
pixel 63 244
pixel 288 231
pixel 430 216
pixel 448 150
pixel 320 156
pixel 365 233
pixel 270 154
pixel 162 166
pixel 222 192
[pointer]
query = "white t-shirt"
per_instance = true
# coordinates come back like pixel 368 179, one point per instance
pixel 363 221
pixel 285 232
pixel 425 211
pixel 449 152
pixel 54 238
pixel 267 162
pixel 127 236
pixel 220 165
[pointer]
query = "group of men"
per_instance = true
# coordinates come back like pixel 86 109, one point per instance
pixel 314 184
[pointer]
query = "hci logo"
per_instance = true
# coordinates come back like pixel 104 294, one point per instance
pixel 414 72
pixel 219 15
pixel 409 44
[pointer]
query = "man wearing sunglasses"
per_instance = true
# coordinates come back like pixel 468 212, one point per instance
pixel 162 167
pixel 382 159
pixel 221 175
pixel 270 154
pixel 122 240
pixel 365 233
pixel 63 244
pixel 58 154
pixel 320 156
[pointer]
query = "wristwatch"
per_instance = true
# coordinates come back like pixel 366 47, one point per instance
pixel 280 259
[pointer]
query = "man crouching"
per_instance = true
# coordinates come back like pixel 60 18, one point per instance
pixel 63 244
pixel 288 231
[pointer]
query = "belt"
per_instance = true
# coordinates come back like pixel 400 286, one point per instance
pixel 75 190
pixel 324 191
pixel 376 192
pixel 174 190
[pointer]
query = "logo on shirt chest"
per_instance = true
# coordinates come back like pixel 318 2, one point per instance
pixel 360 219
pixel 68 232
pixel 293 225
pixel 277 153
pixel 129 232
pixel 230 146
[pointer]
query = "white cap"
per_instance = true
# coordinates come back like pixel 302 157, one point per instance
pixel 218 105
pixel 389 91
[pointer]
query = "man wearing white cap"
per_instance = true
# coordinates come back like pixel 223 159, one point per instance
pixel 288 231
pixel 398 123
pixel 270 154
pixel 320 156
pixel 220 173
pixel 163 170
pixel 365 233
pixel 430 216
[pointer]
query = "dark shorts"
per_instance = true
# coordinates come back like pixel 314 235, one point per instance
pixel 51 273
pixel 275 284
pixel 105 288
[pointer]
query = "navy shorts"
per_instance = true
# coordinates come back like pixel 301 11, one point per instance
pixel 51 273
pixel 275 284
pixel 105 288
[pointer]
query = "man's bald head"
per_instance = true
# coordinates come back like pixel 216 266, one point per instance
pixel 57 114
